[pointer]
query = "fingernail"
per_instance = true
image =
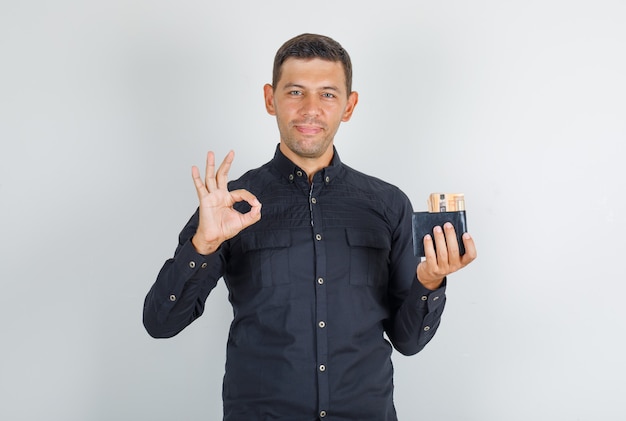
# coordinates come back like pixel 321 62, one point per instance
pixel 427 237
pixel 447 225
pixel 437 229
pixel 467 236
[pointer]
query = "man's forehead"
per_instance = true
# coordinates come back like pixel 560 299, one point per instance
pixel 312 67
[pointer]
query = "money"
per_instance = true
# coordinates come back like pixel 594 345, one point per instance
pixel 446 202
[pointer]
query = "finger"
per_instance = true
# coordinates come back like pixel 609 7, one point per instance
pixel 470 249
pixel 429 251
pixel 440 245
pixel 222 171
pixel 252 216
pixel 452 243
pixel 197 181
pixel 245 195
pixel 427 270
pixel 209 176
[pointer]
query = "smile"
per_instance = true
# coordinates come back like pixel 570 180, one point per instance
pixel 308 129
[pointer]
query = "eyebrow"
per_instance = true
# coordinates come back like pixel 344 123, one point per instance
pixel 324 88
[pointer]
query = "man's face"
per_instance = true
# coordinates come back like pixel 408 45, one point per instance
pixel 310 102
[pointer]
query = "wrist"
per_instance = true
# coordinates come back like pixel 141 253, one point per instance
pixel 431 285
pixel 204 247
pixel 428 280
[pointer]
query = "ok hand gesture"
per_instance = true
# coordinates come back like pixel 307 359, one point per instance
pixel 219 221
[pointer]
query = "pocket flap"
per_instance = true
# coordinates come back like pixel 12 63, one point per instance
pixel 368 238
pixel 258 240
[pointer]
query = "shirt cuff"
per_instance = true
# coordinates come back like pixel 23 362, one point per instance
pixel 188 265
pixel 425 297
pixel 188 261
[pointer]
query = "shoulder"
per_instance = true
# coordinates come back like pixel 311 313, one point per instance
pixel 377 195
pixel 254 179
pixel 372 185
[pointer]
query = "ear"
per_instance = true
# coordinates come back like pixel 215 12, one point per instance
pixel 268 92
pixel 353 99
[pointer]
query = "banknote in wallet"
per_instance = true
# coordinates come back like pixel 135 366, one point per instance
pixel 446 202
pixel 442 208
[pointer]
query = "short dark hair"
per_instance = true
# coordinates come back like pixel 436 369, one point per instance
pixel 308 46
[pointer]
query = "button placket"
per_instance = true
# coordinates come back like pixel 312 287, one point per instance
pixel 321 303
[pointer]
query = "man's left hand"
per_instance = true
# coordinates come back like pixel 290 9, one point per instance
pixel 446 259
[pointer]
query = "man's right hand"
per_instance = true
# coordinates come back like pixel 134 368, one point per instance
pixel 219 221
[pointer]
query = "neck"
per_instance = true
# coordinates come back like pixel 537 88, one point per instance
pixel 310 165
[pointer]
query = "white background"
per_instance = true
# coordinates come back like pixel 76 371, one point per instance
pixel 105 105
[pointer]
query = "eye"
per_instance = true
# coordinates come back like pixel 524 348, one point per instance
pixel 328 95
pixel 295 93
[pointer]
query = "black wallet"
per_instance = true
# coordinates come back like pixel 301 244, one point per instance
pixel 424 222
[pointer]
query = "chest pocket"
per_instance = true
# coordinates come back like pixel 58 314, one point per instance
pixel 269 256
pixel 369 256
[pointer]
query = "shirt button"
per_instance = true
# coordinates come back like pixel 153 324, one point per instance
pixel 192 264
pixel 204 265
pixel 290 177
pixel 313 200
pixel 424 298
pixel 436 298
pixel 426 329
pixel 320 281
pixel 318 237
pixel 322 414
pixel 299 173
pixel 327 179
pixel 322 324
pixel 172 297
pixel 322 367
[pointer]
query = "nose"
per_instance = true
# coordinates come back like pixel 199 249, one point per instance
pixel 311 106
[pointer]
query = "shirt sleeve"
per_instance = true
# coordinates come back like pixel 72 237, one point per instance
pixel 415 311
pixel 182 286
pixel 417 320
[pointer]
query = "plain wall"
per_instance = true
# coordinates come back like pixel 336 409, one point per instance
pixel 105 105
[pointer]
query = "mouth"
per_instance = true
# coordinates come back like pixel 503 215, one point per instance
pixel 309 127
pixel 306 129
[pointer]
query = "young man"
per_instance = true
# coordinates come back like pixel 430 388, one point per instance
pixel 319 274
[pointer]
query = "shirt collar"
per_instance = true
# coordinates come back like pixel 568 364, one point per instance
pixel 291 171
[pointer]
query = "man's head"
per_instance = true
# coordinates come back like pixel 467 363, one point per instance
pixel 311 96
pixel 310 46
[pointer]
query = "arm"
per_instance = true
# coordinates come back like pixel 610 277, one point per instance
pixel 184 282
pixel 417 295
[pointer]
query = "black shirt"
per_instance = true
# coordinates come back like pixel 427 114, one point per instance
pixel 314 285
